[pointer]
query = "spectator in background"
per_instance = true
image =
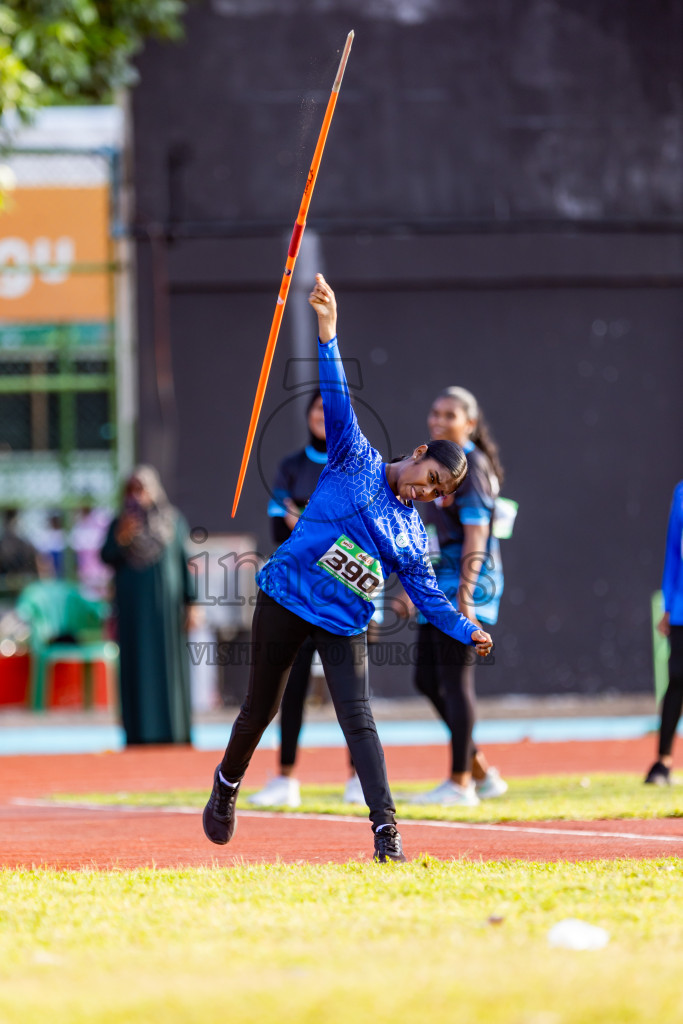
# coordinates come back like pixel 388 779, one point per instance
pixel 145 546
pixel 85 540
pixel 20 563
pixel 52 545
pixel 671 625
pixel 466 559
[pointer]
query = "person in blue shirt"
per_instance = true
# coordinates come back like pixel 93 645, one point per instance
pixel 671 625
pixel 467 562
pixel 360 525
pixel 296 478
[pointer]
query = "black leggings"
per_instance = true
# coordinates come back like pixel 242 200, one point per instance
pixel 445 675
pixel 673 698
pixel 293 701
pixel 277 635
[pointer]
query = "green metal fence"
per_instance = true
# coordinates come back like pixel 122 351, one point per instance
pixel 58 377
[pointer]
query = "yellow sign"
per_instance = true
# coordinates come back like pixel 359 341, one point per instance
pixel 45 233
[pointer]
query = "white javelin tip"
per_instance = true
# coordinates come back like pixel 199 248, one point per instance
pixel 342 62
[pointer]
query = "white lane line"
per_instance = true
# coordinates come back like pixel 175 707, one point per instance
pixel 478 826
pixel 464 826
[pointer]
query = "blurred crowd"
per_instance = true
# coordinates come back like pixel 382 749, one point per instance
pixel 40 546
pixel 126 570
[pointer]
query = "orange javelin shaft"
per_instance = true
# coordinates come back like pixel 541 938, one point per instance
pixel 293 252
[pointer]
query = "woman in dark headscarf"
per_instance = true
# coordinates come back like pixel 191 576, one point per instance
pixel 146 548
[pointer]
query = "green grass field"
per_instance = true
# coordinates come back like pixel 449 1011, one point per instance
pixel 335 944
pixel 331 944
pixel 567 797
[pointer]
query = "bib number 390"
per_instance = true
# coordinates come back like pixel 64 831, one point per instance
pixel 347 562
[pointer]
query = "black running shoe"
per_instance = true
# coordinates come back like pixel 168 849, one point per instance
pixel 219 814
pixel 388 845
pixel 658 775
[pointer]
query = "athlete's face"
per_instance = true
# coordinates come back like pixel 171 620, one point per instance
pixel 316 419
pixel 448 421
pixel 421 479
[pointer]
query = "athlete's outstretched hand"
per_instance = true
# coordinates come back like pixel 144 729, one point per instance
pixel 324 303
pixel 482 642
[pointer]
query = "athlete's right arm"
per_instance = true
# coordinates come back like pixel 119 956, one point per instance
pixel 422 588
pixel 323 300
pixel 342 433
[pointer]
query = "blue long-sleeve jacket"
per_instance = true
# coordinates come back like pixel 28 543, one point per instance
pixel 354 532
pixel 672 580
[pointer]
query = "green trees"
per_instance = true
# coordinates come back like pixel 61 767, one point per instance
pixel 75 51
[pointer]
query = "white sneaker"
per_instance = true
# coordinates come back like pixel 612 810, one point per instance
pixel 449 794
pixel 278 792
pixel 491 785
pixel 353 792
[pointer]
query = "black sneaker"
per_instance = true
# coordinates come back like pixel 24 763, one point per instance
pixel 388 845
pixel 658 775
pixel 219 814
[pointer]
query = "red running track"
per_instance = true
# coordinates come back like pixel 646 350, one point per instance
pixel 32 834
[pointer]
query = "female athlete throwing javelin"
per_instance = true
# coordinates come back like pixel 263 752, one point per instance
pixel 359 526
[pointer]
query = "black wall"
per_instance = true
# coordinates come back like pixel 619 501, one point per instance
pixel 498 206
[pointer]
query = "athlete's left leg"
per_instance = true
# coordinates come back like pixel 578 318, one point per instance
pixel 276 634
pixel 344 660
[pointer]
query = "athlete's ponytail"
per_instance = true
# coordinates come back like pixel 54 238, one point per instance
pixel 481 435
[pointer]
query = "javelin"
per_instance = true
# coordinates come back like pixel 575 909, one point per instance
pixel 292 253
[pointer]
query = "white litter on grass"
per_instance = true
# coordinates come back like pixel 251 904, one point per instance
pixel 574 934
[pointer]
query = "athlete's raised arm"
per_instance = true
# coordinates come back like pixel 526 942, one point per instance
pixel 345 440
pixel 325 304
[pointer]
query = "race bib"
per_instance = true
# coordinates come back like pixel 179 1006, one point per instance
pixel 355 568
